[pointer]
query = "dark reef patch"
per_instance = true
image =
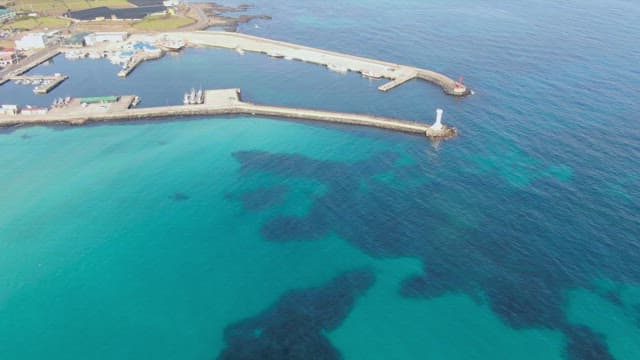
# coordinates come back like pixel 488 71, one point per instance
pixel 294 327
pixel 179 197
pixel 262 198
pixel 522 248
pixel 585 344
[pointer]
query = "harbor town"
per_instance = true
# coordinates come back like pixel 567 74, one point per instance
pixel 129 49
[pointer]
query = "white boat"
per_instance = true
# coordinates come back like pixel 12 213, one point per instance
pixel 240 51
pixel 372 74
pixel 338 68
pixel 172 45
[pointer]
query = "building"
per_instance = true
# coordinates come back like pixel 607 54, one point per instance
pixel 77 40
pixel 103 12
pixel 8 57
pixel 34 110
pixel 171 3
pixel 6 15
pixel 99 37
pixel 32 41
pixel 99 99
pixel 9 109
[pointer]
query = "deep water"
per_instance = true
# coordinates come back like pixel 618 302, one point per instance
pixel 255 238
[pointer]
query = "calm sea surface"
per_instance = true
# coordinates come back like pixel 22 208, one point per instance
pixel 256 238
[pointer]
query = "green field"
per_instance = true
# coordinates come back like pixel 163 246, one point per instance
pixel 39 22
pixel 60 6
pixel 163 22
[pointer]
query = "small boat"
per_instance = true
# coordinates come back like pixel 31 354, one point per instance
pixel 240 51
pixel 186 99
pixel 172 45
pixel 276 54
pixel 338 68
pixel 372 74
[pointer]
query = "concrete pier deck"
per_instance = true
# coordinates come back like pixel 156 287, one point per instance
pixel 49 81
pixel 28 63
pixel 217 102
pixel 398 74
pixel 137 60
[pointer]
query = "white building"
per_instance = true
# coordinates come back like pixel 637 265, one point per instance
pixel 99 37
pixel 9 109
pixel 170 3
pixel 8 57
pixel 32 110
pixel 32 41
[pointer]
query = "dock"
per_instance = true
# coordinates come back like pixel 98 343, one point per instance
pixel 28 63
pixel 396 74
pixel 216 102
pixel 48 82
pixel 137 60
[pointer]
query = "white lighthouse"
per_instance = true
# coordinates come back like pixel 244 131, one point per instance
pixel 437 126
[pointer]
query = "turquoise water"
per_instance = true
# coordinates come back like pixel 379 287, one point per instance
pixel 262 238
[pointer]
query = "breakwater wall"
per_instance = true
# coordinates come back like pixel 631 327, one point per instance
pixel 219 102
pixel 396 73
pixel 28 63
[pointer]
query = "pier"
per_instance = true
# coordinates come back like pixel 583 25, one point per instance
pixel 28 63
pixel 48 82
pixel 216 102
pixel 137 60
pixel 396 73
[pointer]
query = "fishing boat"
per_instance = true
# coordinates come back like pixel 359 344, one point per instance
pixel 371 74
pixel 338 68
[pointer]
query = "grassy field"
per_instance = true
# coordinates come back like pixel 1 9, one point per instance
pixel 163 22
pixel 40 22
pixel 60 6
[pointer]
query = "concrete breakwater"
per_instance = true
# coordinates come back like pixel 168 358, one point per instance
pixel 217 102
pixel 28 63
pixel 396 73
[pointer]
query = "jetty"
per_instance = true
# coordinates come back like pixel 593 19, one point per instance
pixel 137 60
pixel 216 102
pixel 396 73
pixel 28 63
pixel 46 82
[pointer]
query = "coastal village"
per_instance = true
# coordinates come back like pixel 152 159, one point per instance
pixel 124 37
